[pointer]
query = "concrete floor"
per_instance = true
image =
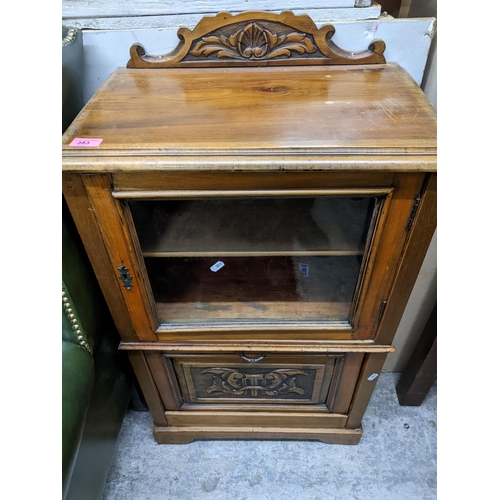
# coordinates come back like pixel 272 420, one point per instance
pixel 395 460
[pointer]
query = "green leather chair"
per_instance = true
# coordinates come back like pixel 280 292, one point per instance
pixel 96 377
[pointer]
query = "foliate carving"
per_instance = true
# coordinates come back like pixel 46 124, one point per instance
pixel 256 39
pixel 273 383
pixel 254 42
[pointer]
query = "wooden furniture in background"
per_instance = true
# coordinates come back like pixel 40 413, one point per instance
pixel 420 373
pixel 390 6
pixel 256 206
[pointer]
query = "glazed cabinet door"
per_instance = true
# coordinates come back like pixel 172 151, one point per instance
pixel 264 261
pixel 255 263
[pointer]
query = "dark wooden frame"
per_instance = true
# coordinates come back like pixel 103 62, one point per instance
pixel 420 373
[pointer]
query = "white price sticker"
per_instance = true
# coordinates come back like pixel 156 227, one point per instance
pixel 217 266
pixel 304 269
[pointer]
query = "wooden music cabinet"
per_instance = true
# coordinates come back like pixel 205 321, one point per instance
pixel 256 206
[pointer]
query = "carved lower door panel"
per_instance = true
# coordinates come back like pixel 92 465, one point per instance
pixel 232 381
pixel 247 390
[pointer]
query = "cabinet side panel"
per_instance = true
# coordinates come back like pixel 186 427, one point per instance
pixel 368 378
pixel 148 387
pixel 388 256
pixel 121 250
pixel 341 400
pixel 88 228
pixel 417 243
pixel 166 380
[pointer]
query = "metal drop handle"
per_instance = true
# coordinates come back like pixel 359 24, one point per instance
pixel 253 360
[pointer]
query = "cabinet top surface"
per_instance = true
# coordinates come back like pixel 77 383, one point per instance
pixel 320 110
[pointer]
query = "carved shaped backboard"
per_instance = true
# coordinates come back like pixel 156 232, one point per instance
pixel 256 39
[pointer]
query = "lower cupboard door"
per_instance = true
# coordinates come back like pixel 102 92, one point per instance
pixel 259 382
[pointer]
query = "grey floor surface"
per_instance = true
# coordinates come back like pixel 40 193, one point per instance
pixel 395 460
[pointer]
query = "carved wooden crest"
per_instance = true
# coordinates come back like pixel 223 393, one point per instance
pixel 256 39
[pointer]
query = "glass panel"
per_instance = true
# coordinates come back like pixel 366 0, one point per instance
pixel 253 259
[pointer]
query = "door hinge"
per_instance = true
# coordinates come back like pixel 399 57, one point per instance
pixel 413 213
pixel 381 311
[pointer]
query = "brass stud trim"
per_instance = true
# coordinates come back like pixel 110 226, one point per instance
pixel 70 37
pixel 74 322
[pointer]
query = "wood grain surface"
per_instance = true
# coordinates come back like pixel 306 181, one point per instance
pixel 315 110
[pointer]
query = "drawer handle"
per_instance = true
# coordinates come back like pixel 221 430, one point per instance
pixel 253 360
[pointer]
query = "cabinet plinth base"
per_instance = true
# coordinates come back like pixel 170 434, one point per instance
pixel 185 435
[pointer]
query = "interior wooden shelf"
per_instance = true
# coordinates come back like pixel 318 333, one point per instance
pixel 320 226
pixel 278 310
pixel 243 253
